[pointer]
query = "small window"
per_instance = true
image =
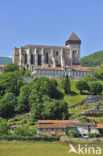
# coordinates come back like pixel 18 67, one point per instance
pixel 47 58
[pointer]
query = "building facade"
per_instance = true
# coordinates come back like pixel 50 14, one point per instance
pixel 61 127
pixel 32 56
pixel 74 73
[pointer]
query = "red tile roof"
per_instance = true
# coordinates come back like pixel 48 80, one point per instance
pixel 62 124
pixel 51 126
pixel 2 66
pixel 100 126
pixel 49 68
pixel 54 121
pixel 78 68
pixel 82 68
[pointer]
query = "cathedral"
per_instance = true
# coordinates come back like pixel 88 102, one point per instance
pixel 33 56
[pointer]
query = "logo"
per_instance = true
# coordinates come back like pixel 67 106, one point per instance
pixel 85 149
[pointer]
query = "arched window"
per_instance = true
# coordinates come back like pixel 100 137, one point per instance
pixel 32 58
pixel 25 59
pixel 47 60
pixel 39 60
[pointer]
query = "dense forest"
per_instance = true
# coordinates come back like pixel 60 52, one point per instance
pixel 92 60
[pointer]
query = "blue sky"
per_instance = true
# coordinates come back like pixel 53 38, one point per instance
pixel 50 22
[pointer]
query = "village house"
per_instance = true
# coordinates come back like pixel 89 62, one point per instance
pixel 61 127
pixel 75 73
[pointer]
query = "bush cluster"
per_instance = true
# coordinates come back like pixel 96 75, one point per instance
pixel 94 135
pixel 92 87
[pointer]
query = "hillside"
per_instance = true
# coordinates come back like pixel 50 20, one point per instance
pixel 92 60
pixel 5 60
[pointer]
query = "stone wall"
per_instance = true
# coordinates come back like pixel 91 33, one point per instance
pixel 93 98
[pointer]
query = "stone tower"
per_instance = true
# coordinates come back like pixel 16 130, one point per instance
pixel 74 43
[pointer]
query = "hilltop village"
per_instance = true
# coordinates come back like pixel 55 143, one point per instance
pixel 46 92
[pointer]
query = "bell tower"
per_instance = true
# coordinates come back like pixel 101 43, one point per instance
pixel 74 43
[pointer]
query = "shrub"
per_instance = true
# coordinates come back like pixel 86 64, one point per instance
pixel 21 131
pixel 94 135
pixel 87 78
pixel 7 105
pixel 4 127
pixel 95 88
pixel 32 131
pixel 71 133
pixel 82 85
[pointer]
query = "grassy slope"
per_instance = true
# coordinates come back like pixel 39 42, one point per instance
pixel 75 99
pixel 72 99
pixel 15 148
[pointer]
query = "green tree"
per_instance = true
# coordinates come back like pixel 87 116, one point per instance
pixel 4 126
pixel 82 85
pixel 23 101
pixel 44 107
pixel 36 104
pixel 54 109
pixel 9 82
pixel 54 83
pixel 66 85
pixel 95 88
pixel 25 72
pixel 7 105
pixel 11 67
pixel 87 78
pixel 44 86
pixel 48 87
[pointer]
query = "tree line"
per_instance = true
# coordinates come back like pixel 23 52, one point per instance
pixel 41 97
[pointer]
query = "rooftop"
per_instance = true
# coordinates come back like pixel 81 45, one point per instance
pixel 74 37
pixel 49 68
pixel 2 66
pixel 86 69
pixel 100 126
pixel 62 123
pixel 54 121
pixel 82 68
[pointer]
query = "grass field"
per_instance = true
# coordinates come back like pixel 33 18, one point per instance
pixel 15 148
pixel 72 99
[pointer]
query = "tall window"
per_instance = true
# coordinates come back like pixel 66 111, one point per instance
pixel 56 53
pixel 39 60
pixel 47 60
pixel 32 58
pixel 25 59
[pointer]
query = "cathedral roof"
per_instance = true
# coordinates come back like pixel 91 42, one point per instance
pixel 73 39
pixel 73 36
